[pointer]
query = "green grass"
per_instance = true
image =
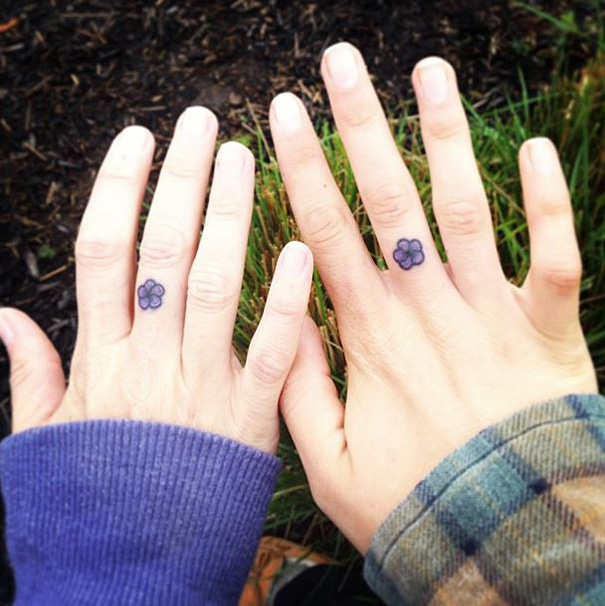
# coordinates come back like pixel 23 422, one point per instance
pixel 571 112
pixel 566 24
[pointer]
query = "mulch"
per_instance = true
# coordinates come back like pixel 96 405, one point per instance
pixel 74 73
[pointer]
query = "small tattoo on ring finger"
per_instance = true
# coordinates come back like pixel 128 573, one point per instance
pixel 408 253
pixel 150 294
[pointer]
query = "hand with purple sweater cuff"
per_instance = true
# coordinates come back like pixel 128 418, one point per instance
pixel 154 338
pixel 100 507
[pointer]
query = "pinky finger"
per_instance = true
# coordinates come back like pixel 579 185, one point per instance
pixel 274 345
pixel 553 283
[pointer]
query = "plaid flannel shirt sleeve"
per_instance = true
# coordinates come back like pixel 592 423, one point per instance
pixel 516 516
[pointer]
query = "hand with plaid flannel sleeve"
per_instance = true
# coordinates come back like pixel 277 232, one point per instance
pixel 438 353
pixel 515 516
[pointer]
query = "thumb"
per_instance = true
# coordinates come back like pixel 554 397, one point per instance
pixel 36 376
pixel 311 408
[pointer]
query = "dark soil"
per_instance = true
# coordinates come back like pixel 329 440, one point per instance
pixel 73 73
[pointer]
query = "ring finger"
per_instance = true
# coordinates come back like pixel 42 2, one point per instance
pixel 385 185
pixel 172 230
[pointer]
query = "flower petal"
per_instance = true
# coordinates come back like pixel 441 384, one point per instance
pixel 143 302
pixel 415 245
pixel 417 257
pixel 403 244
pixel 149 284
pixel 158 290
pixel 154 301
pixel 399 255
pixel 406 263
pixel 142 291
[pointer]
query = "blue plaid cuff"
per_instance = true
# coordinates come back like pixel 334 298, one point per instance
pixel 515 516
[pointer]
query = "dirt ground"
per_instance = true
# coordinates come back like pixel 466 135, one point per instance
pixel 73 73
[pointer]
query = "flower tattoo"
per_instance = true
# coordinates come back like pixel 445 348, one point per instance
pixel 408 253
pixel 150 294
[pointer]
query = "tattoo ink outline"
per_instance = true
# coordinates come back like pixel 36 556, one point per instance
pixel 408 253
pixel 150 295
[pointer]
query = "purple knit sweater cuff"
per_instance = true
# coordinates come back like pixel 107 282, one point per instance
pixel 125 513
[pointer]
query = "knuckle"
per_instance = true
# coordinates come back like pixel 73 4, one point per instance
pixel 306 153
pixel 181 169
pixel 284 311
pixel 123 173
pixel 103 247
pixel 324 223
pixel 163 245
pixel 24 371
pixel 210 290
pixel 268 366
pixel 443 126
pixel 20 371
pixel 564 278
pixel 462 217
pixel 225 208
pixel 554 205
pixel 388 203
pixel 359 116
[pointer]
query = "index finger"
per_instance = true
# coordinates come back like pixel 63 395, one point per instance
pixel 326 222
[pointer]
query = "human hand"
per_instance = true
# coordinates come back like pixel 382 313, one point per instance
pixel 434 352
pixel 154 341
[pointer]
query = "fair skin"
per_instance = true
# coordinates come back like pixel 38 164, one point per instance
pixel 166 357
pixel 435 352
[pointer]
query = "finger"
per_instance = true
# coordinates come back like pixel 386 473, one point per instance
pixel 36 375
pixel 215 278
pixel 322 214
pixel 553 283
pixel 105 244
pixel 459 200
pixel 275 342
pixel 172 231
pixel 386 187
pixel 311 408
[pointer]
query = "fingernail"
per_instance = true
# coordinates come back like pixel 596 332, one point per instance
pixel 6 333
pixel 342 65
pixel 132 141
pixel 294 259
pixel 231 159
pixel 195 121
pixel 287 111
pixel 543 156
pixel 433 79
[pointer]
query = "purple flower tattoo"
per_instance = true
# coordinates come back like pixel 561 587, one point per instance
pixel 150 294
pixel 408 253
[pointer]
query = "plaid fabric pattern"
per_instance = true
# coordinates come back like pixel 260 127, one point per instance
pixel 516 516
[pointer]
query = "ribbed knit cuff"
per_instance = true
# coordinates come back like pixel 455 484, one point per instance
pixel 514 516
pixel 125 513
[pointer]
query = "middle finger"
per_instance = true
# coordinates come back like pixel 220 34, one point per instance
pixel 385 185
